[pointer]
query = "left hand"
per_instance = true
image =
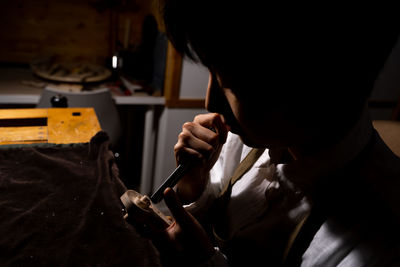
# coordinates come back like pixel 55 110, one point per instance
pixel 185 241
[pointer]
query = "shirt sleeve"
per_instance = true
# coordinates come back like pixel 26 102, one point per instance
pixel 201 204
pixel 219 175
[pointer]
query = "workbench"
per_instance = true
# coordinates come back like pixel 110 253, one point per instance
pixel 53 125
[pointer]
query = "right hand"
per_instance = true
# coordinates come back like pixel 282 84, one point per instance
pixel 200 144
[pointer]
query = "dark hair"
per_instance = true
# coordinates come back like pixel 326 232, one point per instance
pixel 327 51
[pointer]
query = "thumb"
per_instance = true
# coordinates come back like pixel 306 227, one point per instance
pixel 175 206
pixel 195 240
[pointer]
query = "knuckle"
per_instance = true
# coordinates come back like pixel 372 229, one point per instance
pixel 188 125
pixel 177 147
pixel 199 157
pixel 214 116
pixel 214 138
pixel 200 117
pixel 197 117
pixel 184 136
pixel 209 150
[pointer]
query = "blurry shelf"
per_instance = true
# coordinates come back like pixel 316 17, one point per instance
pixel 139 100
pixel 6 98
pixel 15 89
pixel 18 98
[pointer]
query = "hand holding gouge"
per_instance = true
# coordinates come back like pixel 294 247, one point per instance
pixel 203 138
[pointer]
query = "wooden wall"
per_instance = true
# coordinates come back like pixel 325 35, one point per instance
pixel 85 30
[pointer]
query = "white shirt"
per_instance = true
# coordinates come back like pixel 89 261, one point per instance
pixel 248 200
pixel 254 217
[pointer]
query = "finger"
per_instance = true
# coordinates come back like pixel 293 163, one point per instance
pixel 208 120
pixel 186 154
pixel 187 139
pixel 213 121
pixel 200 132
pixel 173 203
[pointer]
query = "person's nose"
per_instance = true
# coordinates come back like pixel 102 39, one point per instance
pixel 215 98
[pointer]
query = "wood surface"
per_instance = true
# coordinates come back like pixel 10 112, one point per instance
pixel 141 211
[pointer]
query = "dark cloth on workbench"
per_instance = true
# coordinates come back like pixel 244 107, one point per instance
pixel 59 206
